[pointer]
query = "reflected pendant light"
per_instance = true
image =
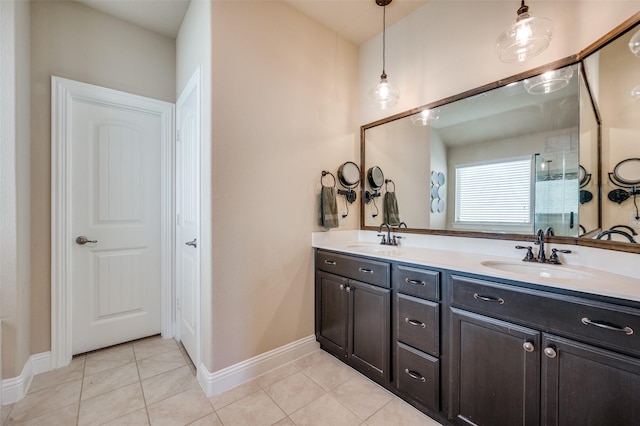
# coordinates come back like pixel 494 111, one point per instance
pixel 549 82
pixel 527 37
pixel 384 94
pixel 634 44
pixel 426 117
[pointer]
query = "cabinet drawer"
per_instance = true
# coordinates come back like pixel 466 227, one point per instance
pixel 604 324
pixel 356 268
pixel 418 324
pixel 418 282
pixel 418 376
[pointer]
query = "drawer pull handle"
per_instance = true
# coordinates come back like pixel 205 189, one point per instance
pixel 500 300
pixel 330 262
pixel 414 282
pixel 366 271
pixel 414 375
pixel 626 330
pixel 415 323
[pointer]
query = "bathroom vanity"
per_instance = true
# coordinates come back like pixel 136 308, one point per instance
pixel 481 339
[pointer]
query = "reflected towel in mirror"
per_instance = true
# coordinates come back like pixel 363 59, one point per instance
pixel 391 214
pixel 328 208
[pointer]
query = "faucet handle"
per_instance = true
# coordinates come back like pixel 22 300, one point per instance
pixel 529 256
pixel 554 255
pixel 384 239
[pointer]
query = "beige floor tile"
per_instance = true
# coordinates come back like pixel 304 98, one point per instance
pixel 4 413
pixel 277 374
pixel 135 418
pixel 329 373
pixel 294 392
pixel 285 422
pixel 154 365
pixel 256 409
pixel 168 384
pixel 180 409
pixel 210 420
pixel 111 405
pixel 45 401
pixel 401 413
pixel 63 416
pixel 362 396
pixel 151 346
pixel 108 358
pixel 326 411
pixel 234 394
pixel 73 371
pixel 109 380
pixel 312 358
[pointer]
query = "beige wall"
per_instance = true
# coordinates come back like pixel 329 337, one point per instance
pixel 284 108
pixel 72 41
pixel 14 191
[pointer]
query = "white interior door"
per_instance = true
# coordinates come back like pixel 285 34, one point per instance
pixel 188 216
pixel 116 206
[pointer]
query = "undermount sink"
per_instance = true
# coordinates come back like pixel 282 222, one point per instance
pixel 375 248
pixel 537 270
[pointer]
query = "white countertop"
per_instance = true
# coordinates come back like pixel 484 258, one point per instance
pixel 468 255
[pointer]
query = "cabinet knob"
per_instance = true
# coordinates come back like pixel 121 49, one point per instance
pixel 348 288
pixel 341 286
pixel 550 352
pixel 528 346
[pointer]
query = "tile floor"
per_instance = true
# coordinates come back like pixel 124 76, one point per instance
pixel 151 382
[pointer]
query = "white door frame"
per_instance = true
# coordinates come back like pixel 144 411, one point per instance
pixel 194 86
pixel 63 93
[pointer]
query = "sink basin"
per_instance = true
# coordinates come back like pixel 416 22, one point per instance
pixel 538 270
pixel 375 248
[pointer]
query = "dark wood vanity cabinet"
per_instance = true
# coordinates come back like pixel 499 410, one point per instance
pixel 353 311
pixel 417 335
pixel 521 356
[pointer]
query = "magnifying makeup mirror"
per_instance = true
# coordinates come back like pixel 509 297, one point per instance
pixel 349 177
pixel 375 179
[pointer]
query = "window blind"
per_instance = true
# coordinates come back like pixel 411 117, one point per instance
pixel 497 192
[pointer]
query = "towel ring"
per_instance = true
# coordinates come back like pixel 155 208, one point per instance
pixel 324 173
pixel 387 182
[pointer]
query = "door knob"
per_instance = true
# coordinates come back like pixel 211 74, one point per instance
pixel 82 240
pixel 193 243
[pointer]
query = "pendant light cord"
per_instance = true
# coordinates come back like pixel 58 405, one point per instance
pixel 384 31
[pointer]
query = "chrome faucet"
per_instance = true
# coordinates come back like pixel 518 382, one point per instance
pixel 542 257
pixel 386 239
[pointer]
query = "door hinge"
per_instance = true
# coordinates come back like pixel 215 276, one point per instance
pixel 177 135
pixel 178 304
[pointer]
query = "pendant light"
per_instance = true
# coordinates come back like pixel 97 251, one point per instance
pixel 384 94
pixel 527 37
pixel 548 82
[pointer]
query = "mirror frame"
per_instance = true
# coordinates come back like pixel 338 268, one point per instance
pixel 570 60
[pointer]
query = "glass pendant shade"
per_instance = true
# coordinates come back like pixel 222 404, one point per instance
pixel 425 117
pixel 550 81
pixel 634 44
pixel 635 93
pixel 527 37
pixel 385 94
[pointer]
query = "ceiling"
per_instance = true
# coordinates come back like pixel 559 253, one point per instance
pixel 355 20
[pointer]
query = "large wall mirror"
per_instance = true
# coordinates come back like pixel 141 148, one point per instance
pixel 554 147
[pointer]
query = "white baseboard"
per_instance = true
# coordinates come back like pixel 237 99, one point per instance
pixel 15 388
pixel 227 378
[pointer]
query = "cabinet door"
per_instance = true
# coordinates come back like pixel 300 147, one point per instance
pixel 331 313
pixel 495 372
pixel 370 324
pixel 584 385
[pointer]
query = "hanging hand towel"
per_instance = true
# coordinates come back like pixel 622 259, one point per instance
pixel 328 208
pixel 391 215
